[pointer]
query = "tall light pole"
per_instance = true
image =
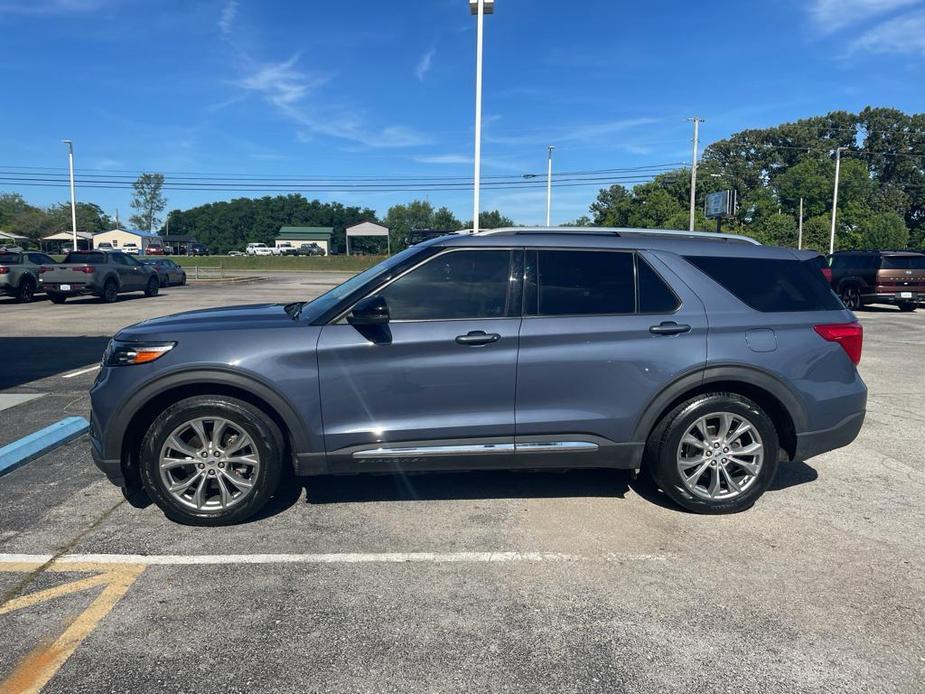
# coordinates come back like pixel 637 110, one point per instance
pixel 696 121
pixel 549 150
pixel 835 197
pixel 800 235
pixel 70 161
pixel 479 8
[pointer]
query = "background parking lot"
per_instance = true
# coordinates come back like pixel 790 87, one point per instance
pixel 582 581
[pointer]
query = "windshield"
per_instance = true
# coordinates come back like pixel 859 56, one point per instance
pixel 331 298
pixel 903 262
pixel 10 258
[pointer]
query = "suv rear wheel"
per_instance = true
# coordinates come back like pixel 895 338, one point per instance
pixel 211 460
pixel 715 453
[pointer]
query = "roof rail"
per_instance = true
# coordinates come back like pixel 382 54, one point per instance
pixel 620 231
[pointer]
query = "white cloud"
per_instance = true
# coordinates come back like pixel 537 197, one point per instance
pixel 832 15
pixel 424 64
pixel 578 133
pixel 227 17
pixel 52 7
pixel 904 34
pixel 445 159
pixel 282 84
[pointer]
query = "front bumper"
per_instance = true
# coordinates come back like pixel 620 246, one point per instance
pixel 813 443
pixel 111 468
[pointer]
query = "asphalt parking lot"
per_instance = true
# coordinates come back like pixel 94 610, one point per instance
pixel 584 581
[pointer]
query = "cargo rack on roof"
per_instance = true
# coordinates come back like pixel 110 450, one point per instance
pixel 617 231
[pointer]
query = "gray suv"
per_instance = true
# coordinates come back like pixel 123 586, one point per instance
pixel 705 359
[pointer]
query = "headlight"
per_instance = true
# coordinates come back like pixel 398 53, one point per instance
pixel 129 353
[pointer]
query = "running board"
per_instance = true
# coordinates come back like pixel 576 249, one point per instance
pixel 476 449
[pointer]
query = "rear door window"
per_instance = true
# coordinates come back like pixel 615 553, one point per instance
pixel 655 296
pixel 9 258
pixel 770 285
pixel 583 283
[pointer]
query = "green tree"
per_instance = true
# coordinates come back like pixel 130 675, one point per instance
pixel 148 200
pixel 11 205
pixel 446 220
pixel 491 220
pixel 401 219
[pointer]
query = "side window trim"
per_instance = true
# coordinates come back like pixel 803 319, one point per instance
pixel 341 317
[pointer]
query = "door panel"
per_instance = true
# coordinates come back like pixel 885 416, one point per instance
pixel 440 373
pixel 595 374
pixel 420 386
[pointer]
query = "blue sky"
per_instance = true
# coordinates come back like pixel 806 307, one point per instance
pixel 374 88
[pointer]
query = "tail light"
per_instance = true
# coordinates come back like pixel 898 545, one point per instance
pixel 44 268
pixel 849 335
pixel 4 270
pixel 827 273
pixel 86 269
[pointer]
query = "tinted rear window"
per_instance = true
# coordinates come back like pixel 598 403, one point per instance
pixel 771 285
pixel 903 262
pixel 9 258
pixel 654 295
pixel 581 283
pixel 85 258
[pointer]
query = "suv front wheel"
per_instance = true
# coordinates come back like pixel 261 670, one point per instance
pixel 211 460
pixel 715 453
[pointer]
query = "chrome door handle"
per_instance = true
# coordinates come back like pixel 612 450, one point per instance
pixel 477 337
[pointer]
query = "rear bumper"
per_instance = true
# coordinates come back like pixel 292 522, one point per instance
pixel 894 297
pixel 813 443
pixel 75 290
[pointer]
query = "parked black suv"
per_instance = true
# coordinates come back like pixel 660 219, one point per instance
pixel 879 277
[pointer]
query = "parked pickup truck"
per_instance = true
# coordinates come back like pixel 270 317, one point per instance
pixel 105 275
pixel 20 272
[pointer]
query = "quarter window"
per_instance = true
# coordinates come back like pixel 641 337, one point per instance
pixel 455 285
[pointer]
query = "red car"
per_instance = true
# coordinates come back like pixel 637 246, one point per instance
pixel 154 249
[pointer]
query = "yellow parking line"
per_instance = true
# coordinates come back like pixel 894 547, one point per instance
pixel 57 591
pixel 38 667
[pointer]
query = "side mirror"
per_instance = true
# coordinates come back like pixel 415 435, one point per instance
pixel 370 311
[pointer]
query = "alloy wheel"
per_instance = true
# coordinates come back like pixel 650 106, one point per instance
pixel 851 298
pixel 720 456
pixel 209 464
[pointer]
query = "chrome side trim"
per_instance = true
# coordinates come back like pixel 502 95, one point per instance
pixel 475 449
pixel 434 451
pixel 555 446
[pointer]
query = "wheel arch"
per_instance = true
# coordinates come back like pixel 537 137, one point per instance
pixel 126 430
pixel 770 393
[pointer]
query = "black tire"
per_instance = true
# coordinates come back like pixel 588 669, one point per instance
pixel 56 298
pixel 110 292
pixel 26 291
pixel 263 431
pixel 153 288
pixel 662 451
pixel 851 297
pixel 907 306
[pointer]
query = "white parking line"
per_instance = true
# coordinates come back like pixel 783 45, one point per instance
pixel 334 558
pixel 81 372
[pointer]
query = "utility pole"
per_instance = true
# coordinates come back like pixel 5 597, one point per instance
pixel 696 120
pixel 835 198
pixel 70 161
pixel 549 150
pixel 479 8
pixel 800 236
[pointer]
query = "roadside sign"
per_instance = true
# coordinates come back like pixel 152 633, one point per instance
pixel 719 205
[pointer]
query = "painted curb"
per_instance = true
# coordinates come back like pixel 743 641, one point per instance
pixel 39 443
